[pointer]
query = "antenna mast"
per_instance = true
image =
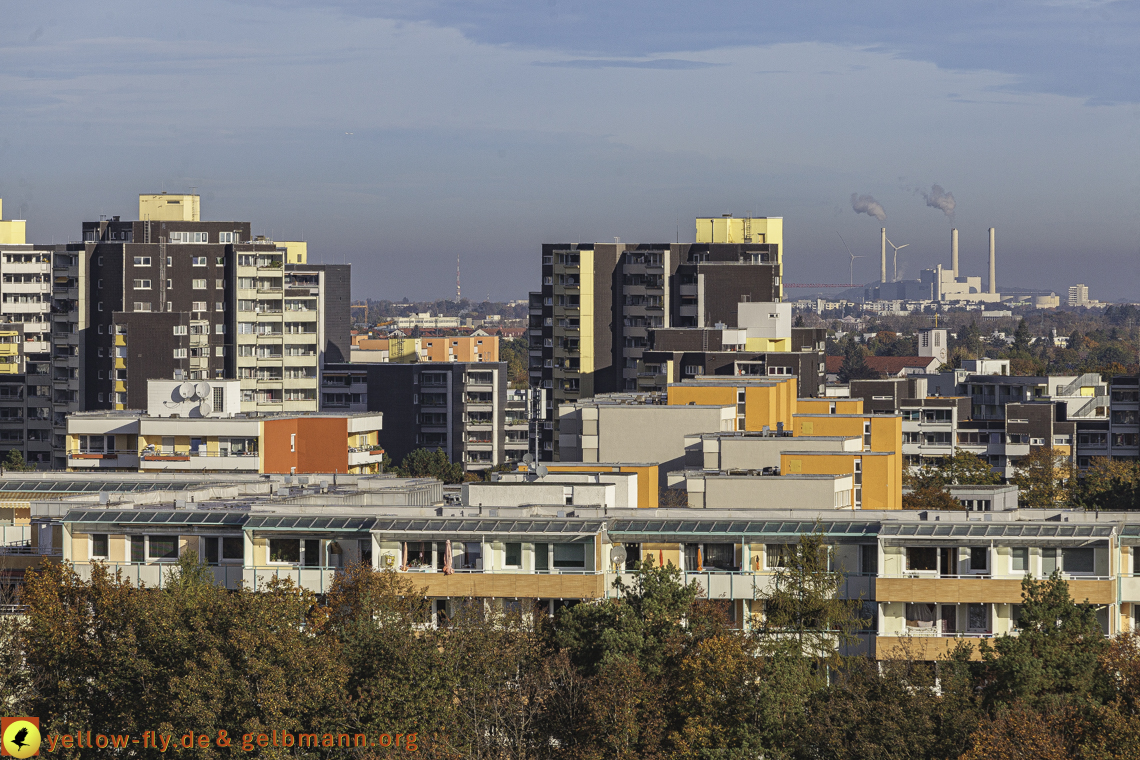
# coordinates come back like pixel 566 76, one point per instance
pixel 458 291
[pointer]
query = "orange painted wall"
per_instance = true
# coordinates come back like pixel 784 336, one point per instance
pixel 823 405
pixel 321 445
pixel 769 405
pixel 481 349
pixel 647 484
pixel 701 395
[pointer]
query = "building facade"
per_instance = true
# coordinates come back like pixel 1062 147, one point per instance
pixel 460 408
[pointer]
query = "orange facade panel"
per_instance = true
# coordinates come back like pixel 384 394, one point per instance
pixel 701 395
pixel 521 585
pixel 978 590
pixel 920 648
pixel 460 349
pixel 305 445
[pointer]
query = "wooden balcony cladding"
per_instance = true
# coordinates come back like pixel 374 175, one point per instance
pixel 921 647
pixel 522 585
pixel 979 590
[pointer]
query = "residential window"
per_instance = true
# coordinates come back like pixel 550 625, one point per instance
pixel 142 284
pixel 198 261
pixel 200 237
pixel 198 306
pixel 977 617
pixel 219 306
pixel 513 556
pixel 162 547
pixel 99 543
pixel 140 261
pixel 869 559
pixel 179 237
pixel 225 237
pixel 979 558
pixel 1019 559
pixel 921 558
pixel 198 284
pixel 170 284
pixel 285 550
pixel 180 353
pixel 1080 560
pixel 142 306
pixel 542 557
pixel 1048 562
pixel 570 556
pixel 179 329
pixel 776 555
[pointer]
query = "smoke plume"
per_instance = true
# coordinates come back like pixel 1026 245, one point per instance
pixel 940 199
pixel 865 204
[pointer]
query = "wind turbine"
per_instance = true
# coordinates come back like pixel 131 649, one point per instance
pixel 897 249
pixel 851 274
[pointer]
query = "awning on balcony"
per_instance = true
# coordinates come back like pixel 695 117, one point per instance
pixel 1010 534
pixel 834 531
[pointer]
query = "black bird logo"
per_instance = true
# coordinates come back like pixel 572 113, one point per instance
pixel 18 739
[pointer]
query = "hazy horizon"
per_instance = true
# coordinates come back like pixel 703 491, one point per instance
pixel 396 136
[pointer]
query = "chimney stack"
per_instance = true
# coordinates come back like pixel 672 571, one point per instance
pixel 954 252
pixel 883 265
pixel 993 263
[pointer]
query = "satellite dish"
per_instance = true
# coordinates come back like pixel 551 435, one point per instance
pixel 206 408
pixel 618 555
pixel 542 471
pixel 202 390
pixel 528 458
pixel 186 390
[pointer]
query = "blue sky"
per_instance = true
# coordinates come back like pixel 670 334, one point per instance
pixel 396 135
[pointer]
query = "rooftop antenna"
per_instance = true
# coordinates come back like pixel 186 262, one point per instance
pixel 458 291
pixel 851 275
pixel 897 249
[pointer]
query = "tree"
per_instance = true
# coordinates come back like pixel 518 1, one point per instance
pixel 516 353
pixel 1046 477
pixel 431 463
pixel 930 498
pixel 799 321
pixel 1021 337
pixel 1112 484
pixel 15 462
pixel 854 365
pixel 803 614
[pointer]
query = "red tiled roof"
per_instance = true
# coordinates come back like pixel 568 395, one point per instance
pixel 891 366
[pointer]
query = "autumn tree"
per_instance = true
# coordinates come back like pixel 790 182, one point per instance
pixel 1046 478
pixel 1112 484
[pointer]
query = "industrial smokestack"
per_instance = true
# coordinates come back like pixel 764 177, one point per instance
pixel 993 263
pixel 954 251
pixel 883 265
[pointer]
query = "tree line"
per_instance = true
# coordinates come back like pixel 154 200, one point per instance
pixel 1046 478
pixel 658 671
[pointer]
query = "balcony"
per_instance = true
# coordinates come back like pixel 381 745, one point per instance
pixel 358 457
pixel 582 585
pixel 199 461
pixel 103 460
pixel 982 588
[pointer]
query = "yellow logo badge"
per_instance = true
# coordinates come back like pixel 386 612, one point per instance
pixel 19 737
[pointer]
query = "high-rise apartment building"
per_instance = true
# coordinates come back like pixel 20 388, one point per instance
pixel 41 316
pixel 464 409
pixel 171 296
pixel 590 324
